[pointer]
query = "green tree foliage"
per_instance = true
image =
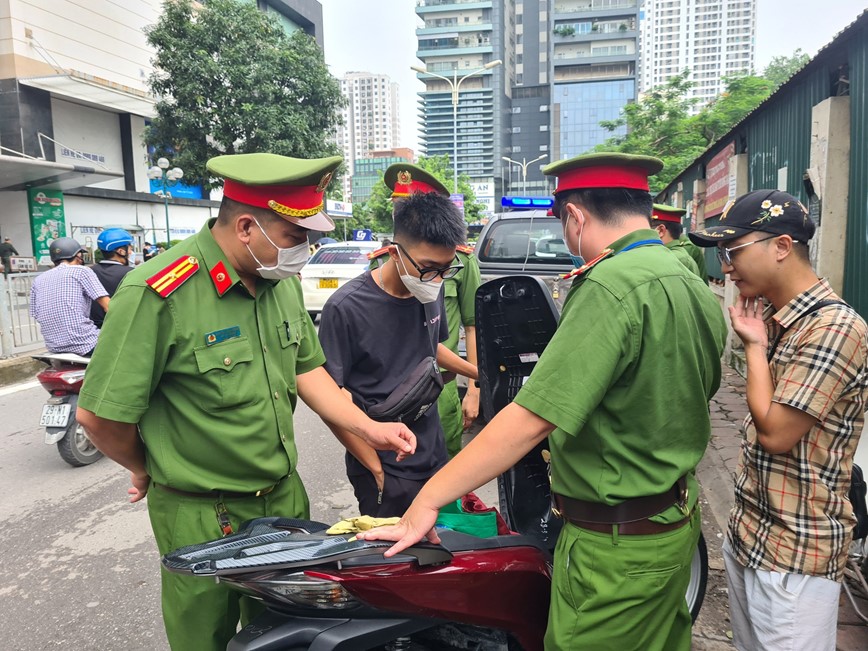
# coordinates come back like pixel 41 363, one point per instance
pixel 742 95
pixel 376 212
pixel 663 123
pixel 781 68
pixel 660 125
pixel 230 80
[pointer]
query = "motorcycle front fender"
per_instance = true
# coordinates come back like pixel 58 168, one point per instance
pixel 273 631
pixel 54 434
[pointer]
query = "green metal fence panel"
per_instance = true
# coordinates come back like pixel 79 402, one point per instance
pixel 779 135
pixel 856 249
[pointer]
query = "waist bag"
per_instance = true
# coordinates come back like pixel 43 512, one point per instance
pixel 418 391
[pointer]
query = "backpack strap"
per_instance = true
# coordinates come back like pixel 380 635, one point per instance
pixel 816 307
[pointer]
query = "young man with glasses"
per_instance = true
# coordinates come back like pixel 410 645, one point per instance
pixel 374 331
pixel 459 296
pixel 807 382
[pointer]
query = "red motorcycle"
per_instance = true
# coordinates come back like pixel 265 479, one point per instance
pixel 63 379
pixel 489 594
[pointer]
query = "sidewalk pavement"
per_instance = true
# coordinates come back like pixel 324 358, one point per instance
pixel 716 475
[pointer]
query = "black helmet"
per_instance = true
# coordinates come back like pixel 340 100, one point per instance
pixel 64 248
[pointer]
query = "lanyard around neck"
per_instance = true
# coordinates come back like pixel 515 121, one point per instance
pixel 635 245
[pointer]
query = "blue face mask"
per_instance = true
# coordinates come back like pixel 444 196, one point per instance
pixel 578 260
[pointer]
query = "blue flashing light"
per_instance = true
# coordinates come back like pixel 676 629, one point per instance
pixel 527 203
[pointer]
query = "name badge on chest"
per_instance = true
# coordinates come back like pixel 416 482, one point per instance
pixel 217 336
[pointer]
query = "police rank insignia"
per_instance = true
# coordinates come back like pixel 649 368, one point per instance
pixel 220 278
pixel 588 265
pixel 462 248
pixel 376 254
pixel 176 274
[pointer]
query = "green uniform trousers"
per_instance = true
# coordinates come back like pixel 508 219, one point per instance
pixel 200 614
pixel 451 417
pixel 621 592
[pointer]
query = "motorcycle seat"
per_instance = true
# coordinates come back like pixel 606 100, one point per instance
pixel 455 541
pixel 66 358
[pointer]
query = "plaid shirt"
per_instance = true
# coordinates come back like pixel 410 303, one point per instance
pixel 791 512
pixel 60 301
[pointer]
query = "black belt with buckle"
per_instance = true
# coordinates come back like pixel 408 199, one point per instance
pixel 221 494
pixel 634 510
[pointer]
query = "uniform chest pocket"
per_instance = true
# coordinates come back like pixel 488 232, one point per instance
pixel 450 288
pixel 291 334
pixel 225 371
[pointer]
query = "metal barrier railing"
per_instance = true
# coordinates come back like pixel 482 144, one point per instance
pixel 19 332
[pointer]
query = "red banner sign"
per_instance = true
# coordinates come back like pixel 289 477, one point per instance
pixel 717 181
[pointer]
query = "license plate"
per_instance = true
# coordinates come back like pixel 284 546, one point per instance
pixel 328 283
pixel 55 415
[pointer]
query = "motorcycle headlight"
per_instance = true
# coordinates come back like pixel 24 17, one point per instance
pixel 297 589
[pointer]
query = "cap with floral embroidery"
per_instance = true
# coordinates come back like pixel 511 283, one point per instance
pixel 766 211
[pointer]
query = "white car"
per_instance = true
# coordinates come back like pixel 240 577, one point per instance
pixel 329 268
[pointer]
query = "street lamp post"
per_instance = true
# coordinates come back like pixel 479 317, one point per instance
pixel 455 85
pixel 524 165
pixel 168 178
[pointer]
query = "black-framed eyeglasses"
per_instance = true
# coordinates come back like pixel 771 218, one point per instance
pixel 725 254
pixel 427 274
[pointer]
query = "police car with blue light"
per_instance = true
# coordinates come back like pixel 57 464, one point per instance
pixel 525 239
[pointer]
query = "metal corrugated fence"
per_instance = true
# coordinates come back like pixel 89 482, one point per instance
pixel 856 250
pixel 780 135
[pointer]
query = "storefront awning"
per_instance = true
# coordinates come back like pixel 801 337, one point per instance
pixel 17 173
pixel 102 93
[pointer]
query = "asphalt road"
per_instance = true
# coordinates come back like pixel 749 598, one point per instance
pixel 79 567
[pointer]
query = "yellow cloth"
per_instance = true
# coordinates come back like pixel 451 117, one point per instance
pixel 361 523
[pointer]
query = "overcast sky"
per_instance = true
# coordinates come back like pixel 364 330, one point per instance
pixel 380 36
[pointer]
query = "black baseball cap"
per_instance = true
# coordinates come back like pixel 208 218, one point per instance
pixel 764 211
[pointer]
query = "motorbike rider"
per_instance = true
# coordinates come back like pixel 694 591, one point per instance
pixel 60 300
pixel 116 246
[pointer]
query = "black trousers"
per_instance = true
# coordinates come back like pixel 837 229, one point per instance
pixel 395 498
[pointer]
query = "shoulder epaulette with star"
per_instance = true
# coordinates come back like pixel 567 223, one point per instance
pixel 176 274
pixel 588 265
pixel 378 252
pixel 463 248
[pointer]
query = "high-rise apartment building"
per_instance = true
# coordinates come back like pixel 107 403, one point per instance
pixel 531 101
pixel 459 37
pixel 371 120
pixel 595 50
pixel 567 66
pixel 714 39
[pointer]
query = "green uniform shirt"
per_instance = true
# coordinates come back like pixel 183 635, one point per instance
pixel 698 256
pixel 680 251
pixel 212 417
pixel 627 377
pixel 459 293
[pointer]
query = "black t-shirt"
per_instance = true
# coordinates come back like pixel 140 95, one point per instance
pixel 110 274
pixel 372 340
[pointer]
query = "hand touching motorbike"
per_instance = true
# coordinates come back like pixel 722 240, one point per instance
pixel 416 524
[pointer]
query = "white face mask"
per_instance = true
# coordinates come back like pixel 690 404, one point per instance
pixel 424 292
pixel 289 261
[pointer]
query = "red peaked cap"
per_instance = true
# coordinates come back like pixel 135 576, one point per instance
pixel 604 170
pixel 666 213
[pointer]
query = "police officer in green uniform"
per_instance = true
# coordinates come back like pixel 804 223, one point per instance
pixel 459 296
pixel 223 347
pixel 698 256
pixel 666 220
pixel 638 333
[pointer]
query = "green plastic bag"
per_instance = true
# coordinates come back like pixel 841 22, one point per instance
pixel 481 525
